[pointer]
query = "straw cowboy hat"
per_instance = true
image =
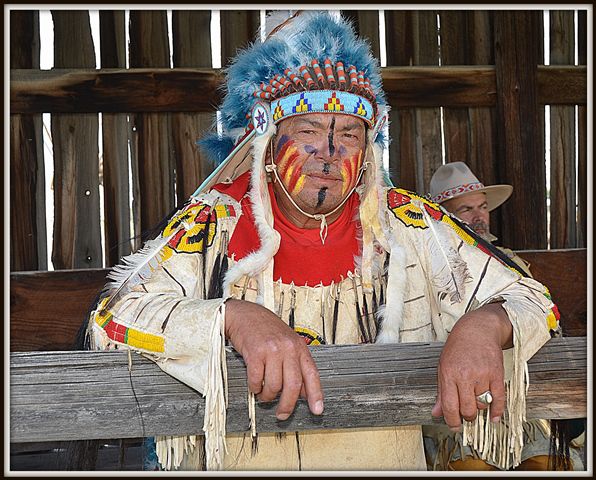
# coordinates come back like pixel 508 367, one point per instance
pixel 455 179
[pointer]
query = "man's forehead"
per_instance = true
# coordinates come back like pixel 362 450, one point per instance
pixel 323 120
pixel 469 200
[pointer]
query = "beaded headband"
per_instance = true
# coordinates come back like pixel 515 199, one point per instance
pixel 333 92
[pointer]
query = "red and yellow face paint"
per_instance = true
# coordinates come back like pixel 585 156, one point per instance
pixel 289 166
pixel 350 168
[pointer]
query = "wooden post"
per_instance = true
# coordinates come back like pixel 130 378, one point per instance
pixel 520 138
pixel 77 233
pixel 582 45
pixel 152 141
pixel 115 130
pixel 192 48
pixel 28 242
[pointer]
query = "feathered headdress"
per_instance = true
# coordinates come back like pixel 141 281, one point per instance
pixel 311 63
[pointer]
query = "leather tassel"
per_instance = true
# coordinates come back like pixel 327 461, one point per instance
pixel 335 315
pixel 363 334
pixel 366 317
pixel 292 309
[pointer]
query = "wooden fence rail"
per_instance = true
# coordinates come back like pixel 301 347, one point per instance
pixel 60 396
pixel 198 89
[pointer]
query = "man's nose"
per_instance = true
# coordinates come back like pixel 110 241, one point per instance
pixel 479 214
pixel 330 145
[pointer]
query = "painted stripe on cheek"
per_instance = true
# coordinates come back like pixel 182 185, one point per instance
pixel 296 174
pixel 349 171
pixel 288 173
pixel 345 175
pixel 299 185
pixel 287 153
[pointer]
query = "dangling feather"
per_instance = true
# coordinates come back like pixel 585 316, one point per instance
pixel 220 266
pixel 135 268
pixel 215 290
pixel 449 271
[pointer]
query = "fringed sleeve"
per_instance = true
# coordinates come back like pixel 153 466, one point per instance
pixel 463 273
pixel 168 304
pixel 479 279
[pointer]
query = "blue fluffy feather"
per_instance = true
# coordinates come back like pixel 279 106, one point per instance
pixel 217 147
pixel 312 34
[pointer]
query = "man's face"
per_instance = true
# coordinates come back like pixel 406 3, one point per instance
pixel 318 158
pixel 473 210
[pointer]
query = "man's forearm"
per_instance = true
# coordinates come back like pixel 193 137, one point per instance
pixel 491 320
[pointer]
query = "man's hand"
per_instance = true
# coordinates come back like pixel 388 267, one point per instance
pixel 277 359
pixel 472 363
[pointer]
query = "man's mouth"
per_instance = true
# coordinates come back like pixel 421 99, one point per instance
pixel 479 227
pixel 323 176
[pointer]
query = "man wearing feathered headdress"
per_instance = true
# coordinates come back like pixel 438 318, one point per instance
pixel 299 238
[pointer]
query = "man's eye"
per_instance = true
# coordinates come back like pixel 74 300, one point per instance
pixel 307 132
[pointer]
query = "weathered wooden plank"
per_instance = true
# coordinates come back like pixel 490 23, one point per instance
pixel 47 308
pixel 402 122
pixel 366 24
pixel 520 146
pixel 76 395
pixel 564 272
pixel 568 80
pixel 77 233
pixel 115 131
pixel 109 90
pixel 192 48
pixel 197 89
pixel 429 151
pixel 28 247
pixel 483 120
pixel 37 299
pixel 562 140
pixel 238 29
pixel 480 51
pixel 149 47
pixel 454 46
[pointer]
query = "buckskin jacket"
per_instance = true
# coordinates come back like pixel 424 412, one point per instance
pixel 416 272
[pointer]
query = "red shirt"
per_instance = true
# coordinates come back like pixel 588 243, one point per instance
pixel 301 258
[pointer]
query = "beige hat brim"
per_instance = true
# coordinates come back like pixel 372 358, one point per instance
pixel 496 195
